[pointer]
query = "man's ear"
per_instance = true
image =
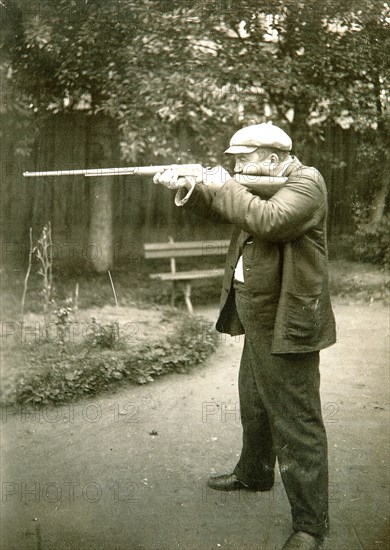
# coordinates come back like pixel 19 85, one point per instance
pixel 274 158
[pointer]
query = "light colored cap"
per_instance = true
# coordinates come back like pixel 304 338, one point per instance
pixel 248 139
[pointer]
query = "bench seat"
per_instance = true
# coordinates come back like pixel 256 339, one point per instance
pixel 188 275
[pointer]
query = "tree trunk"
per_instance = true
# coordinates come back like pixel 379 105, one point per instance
pixel 100 155
pixel 379 205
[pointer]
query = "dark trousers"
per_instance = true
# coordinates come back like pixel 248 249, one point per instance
pixel 281 417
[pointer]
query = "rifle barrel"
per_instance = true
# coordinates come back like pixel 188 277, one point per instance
pixel 142 171
pixel 96 172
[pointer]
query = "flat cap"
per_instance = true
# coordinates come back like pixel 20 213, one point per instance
pixel 251 137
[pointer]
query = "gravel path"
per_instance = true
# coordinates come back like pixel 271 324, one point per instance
pixel 127 471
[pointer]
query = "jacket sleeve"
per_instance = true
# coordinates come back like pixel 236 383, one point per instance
pixel 201 204
pixel 293 210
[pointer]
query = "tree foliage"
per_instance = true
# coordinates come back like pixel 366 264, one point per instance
pixel 160 66
pixel 180 77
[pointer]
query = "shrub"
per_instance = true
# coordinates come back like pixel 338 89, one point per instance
pixel 103 336
pixel 371 241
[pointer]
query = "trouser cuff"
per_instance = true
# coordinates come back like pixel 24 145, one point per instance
pixel 315 529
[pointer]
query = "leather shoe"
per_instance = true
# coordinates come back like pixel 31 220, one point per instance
pixel 229 482
pixel 302 541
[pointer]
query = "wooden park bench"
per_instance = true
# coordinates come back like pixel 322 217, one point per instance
pixel 185 249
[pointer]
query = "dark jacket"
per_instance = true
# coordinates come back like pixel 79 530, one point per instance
pixel 283 243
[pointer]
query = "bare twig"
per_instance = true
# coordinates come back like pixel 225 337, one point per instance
pixel 31 251
pixel 50 258
pixel 113 288
pixel 357 538
pixel 76 301
pixel 44 253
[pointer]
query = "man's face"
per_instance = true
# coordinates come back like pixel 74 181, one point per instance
pixel 257 163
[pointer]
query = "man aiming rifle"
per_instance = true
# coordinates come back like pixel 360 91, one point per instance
pixel 275 291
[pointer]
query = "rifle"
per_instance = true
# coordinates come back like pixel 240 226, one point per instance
pixel 265 186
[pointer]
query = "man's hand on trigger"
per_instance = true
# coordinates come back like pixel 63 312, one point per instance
pixel 171 179
pixel 215 177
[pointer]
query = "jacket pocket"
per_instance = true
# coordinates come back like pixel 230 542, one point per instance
pixel 303 316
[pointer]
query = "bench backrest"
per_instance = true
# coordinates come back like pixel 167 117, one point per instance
pixel 183 249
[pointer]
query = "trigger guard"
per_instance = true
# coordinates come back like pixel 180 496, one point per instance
pixel 181 201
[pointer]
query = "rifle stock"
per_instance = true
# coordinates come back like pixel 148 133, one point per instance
pixel 264 186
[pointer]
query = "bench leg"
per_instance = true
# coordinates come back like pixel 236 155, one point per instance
pixel 187 297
